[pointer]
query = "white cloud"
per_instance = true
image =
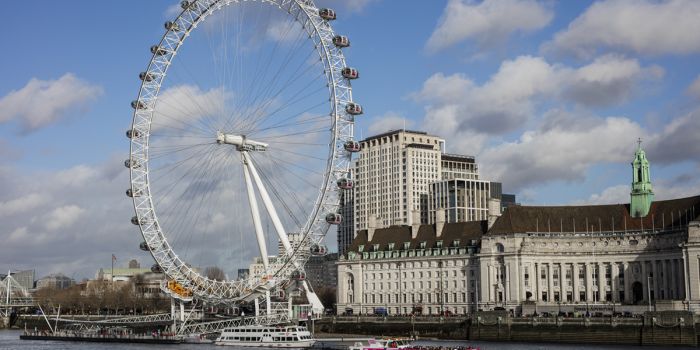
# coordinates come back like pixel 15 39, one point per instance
pixel 694 88
pixel 488 22
pixel 172 11
pixel 44 102
pixel 387 122
pixel 23 204
pixel 343 7
pixel 611 195
pixel 62 217
pixel 562 148
pixel 678 141
pixel 642 26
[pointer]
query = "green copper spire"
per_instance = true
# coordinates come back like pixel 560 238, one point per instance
pixel 641 194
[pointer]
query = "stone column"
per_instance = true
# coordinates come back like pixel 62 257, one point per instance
pixel 550 284
pixel 615 285
pixel 601 282
pixel 628 285
pixel 645 280
pixel 563 288
pixel 656 279
pixel 506 283
pixel 589 283
pixel 536 277
pixel 575 281
pixel 664 282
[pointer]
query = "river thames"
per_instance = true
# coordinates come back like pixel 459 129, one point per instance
pixel 9 340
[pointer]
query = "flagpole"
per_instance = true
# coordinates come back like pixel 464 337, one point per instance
pixel 112 274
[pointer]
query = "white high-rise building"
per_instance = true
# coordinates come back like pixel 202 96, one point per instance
pixel 392 178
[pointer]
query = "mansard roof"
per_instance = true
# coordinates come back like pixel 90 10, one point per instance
pixel 663 215
pixel 462 231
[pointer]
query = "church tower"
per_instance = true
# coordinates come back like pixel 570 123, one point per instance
pixel 641 195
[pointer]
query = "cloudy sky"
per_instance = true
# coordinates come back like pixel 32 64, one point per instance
pixel 550 96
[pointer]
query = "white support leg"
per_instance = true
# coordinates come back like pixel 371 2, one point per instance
pixel 257 307
pixel 254 210
pixel 268 304
pixel 268 205
pixel 316 304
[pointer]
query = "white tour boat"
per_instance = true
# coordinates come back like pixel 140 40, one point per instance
pixel 267 336
pixel 383 344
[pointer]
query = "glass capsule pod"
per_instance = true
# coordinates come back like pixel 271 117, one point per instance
pixel 345 184
pixel 353 108
pixel 334 218
pixel 156 268
pixel 158 51
pixel 132 133
pixel 318 250
pixel 350 73
pixel 341 41
pixel 135 104
pixel 352 146
pixel 172 26
pixel 327 14
pixel 135 220
pixel 299 275
pixel 145 76
pixel 186 4
pixel 129 164
pixel 144 246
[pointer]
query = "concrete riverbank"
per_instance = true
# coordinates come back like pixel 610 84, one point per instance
pixel 654 328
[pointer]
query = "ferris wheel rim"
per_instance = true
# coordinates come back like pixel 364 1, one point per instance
pixel 338 163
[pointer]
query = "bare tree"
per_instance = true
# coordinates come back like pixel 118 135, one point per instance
pixel 215 273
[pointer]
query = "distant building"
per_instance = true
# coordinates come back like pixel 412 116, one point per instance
pixel 134 264
pixel 321 271
pixel 55 281
pixel 243 274
pixel 346 229
pixel 25 278
pixel 120 274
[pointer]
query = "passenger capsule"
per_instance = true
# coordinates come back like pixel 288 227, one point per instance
pixel 186 4
pixel 352 146
pixel 327 14
pixel 158 51
pixel 131 165
pixel 345 184
pixel 156 268
pixel 144 246
pixel 135 220
pixel 132 133
pixel 299 275
pixel 318 250
pixel 145 76
pixel 341 41
pixel 135 104
pixel 172 26
pixel 131 193
pixel 353 108
pixel 350 73
pixel 280 294
pixel 334 218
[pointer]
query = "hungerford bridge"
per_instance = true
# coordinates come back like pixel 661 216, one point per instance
pixel 15 299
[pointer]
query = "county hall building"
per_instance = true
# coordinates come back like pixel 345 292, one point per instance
pixel 616 258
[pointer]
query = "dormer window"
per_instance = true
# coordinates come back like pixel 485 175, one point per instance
pixel 455 243
pixel 406 245
pixel 391 246
pixel 439 244
pixel 423 244
pixel 361 248
pixel 375 247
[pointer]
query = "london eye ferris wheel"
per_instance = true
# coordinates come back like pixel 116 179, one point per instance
pixel 242 134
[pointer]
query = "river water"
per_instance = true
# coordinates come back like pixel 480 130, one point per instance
pixel 9 340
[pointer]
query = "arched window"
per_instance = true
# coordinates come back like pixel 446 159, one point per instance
pixel 500 248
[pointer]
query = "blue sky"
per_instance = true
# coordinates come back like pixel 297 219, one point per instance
pixel 550 96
